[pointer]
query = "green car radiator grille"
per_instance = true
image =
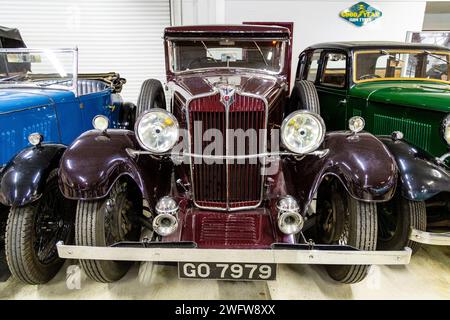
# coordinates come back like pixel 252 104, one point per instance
pixel 414 131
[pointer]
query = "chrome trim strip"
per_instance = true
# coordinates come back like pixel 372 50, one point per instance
pixel 318 153
pixel 29 50
pixel 434 238
pixel 75 73
pixel 282 256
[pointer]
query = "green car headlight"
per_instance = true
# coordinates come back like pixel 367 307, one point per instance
pixel 446 129
pixel 302 131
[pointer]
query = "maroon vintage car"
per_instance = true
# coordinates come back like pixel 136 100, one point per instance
pixel 221 180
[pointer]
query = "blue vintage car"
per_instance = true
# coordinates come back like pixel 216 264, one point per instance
pixel 44 105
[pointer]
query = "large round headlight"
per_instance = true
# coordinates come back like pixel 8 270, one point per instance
pixel 302 131
pixel 157 130
pixel 446 129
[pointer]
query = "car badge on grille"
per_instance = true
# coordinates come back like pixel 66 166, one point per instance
pixel 227 95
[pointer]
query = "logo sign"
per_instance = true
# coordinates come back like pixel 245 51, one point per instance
pixel 360 14
pixel 227 95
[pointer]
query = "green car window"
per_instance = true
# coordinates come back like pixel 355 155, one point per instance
pixel 335 70
pixel 313 67
pixel 401 65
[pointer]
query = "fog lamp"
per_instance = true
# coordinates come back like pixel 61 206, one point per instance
pixel 290 220
pixel 166 221
pixel 35 138
pixel 100 122
pixel 356 124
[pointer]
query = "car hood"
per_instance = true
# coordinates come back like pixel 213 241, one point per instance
pixel 419 94
pixel 253 83
pixel 18 99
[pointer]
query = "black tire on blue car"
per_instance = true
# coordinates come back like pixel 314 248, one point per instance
pixel 104 222
pixel 304 97
pixel 32 233
pixel 151 96
pixel 344 220
pixel 395 219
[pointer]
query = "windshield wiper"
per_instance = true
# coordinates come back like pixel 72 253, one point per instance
pixel 435 56
pixel 209 52
pixel 261 53
pixel 15 77
pixel 50 83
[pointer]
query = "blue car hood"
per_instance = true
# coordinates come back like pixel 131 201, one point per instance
pixel 18 99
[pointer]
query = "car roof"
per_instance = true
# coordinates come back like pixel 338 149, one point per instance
pixel 227 30
pixel 358 45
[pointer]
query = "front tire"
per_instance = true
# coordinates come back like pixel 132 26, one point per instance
pixel 344 220
pixel 105 222
pixel 395 220
pixel 151 96
pixel 32 233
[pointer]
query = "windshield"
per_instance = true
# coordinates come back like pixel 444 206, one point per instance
pixel 44 68
pixel 257 54
pixel 401 64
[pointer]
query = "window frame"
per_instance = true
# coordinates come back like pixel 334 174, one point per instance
pixel 323 68
pixel 306 66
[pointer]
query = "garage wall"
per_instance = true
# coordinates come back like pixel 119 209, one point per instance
pixel 437 16
pixel 112 35
pixel 314 21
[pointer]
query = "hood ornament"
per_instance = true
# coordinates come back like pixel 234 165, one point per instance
pixel 227 95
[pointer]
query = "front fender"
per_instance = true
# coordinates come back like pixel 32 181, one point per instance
pixel 94 162
pixel 421 176
pixel 361 162
pixel 23 179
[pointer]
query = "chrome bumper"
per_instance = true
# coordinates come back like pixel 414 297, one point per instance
pixel 439 239
pixel 283 256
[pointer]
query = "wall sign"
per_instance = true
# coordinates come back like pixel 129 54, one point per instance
pixel 360 14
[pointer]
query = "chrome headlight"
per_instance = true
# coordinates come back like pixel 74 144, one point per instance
pixel 446 129
pixel 157 130
pixel 302 131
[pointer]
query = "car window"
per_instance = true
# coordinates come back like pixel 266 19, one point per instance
pixel 401 64
pixel 313 66
pixel 335 70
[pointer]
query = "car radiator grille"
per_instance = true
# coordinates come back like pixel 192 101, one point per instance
pixel 212 186
pixel 228 230
pixel 414 131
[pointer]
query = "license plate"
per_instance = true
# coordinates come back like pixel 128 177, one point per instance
pixel 227 271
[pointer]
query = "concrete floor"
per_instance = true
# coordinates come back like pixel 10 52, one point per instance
pixel 426 277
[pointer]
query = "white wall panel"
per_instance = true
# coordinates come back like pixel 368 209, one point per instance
pixel 112 35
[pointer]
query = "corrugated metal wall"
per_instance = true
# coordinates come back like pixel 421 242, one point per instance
pixel 112 35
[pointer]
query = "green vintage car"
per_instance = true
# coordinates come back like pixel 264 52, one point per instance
pixel 401 93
